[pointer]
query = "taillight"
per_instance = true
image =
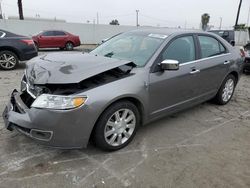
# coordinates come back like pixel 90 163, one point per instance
pixel 28 41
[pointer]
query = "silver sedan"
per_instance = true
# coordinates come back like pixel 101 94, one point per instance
pixel 130 80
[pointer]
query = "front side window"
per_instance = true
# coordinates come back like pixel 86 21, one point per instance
pixel 210 47
pixel 181 49
pixel 48 33
pixel 135 47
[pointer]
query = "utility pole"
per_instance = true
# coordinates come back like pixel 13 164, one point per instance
pixel 248 17
pixel 220 23
pixel 137 18
pixel 20 9
pixel 97 18
pixel 1 12
pixel 238 14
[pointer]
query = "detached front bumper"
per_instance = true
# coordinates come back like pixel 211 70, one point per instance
pixel 56 128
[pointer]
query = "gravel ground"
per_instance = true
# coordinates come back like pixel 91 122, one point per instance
pixel 206 146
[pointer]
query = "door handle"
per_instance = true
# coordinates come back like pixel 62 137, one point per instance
pixel 194 71
pixel 226 62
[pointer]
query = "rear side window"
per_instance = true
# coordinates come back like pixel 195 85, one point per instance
pixel 48 33
pixel 181 49
pixel 210 47
pixel 59 33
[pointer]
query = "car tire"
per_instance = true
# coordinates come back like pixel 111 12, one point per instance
pixel 116 126
pixel 69 46
pixel 8 60
pixel 226 90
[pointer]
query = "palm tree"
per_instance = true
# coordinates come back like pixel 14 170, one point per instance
pixel 20 9
pixel 238 13
pixel 204 21
pixel 114 22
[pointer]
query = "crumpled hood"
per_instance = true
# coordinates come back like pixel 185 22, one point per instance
pixel 67 68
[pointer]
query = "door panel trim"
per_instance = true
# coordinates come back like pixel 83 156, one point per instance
pixel 184 102
pixel 203 59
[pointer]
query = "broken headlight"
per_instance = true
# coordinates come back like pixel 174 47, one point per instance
pixel 58 102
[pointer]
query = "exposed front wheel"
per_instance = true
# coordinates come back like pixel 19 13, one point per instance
pixel 226 90
pixel 117 126
pixel 8 60
pixel 69 46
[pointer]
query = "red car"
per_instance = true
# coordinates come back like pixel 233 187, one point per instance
pixel 56 39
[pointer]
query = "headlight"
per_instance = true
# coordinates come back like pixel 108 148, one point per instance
pixel 58 102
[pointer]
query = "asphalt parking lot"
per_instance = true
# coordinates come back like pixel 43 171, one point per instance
pixel 206 146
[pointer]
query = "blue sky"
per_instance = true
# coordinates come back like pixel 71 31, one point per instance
pixel 172 13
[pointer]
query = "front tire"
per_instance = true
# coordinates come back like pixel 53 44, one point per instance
pixel 117 126
pixel 226 90
pixel 69 46
pixel 8 60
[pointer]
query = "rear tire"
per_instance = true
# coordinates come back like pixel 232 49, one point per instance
pixel 69 46
pixel 117 126
pixel 8 60
pixel 226 90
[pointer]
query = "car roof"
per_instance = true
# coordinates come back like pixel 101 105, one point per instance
pixel 55 30
pixel 168 31
pixel 220 30
pixel 9 34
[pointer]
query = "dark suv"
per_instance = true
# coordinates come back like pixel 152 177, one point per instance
pixel 228 35
pixel 15 48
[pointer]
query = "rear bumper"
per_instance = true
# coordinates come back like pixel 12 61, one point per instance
pixel 61 129
pixel 27 55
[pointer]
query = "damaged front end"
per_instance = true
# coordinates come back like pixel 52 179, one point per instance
pixel 52 113
pixel 31 91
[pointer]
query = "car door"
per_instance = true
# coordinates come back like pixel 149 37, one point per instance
pixel 46 39
pixel 173 90
pixel 213 64
pixel 60 39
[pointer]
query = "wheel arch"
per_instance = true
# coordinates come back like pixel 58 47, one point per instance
pixel 236 75
pixel 131 99
pixel 11 49
pixel 69 41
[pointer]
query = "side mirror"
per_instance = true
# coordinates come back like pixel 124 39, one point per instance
pixel 169 64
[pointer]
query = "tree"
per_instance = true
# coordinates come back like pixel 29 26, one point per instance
pixel 239 27
pixel 204 21
pixel 238 14
pixel 20 9
pixel 114 22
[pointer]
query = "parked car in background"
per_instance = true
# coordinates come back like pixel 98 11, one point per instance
pixel 56 39
pixel 15 48
pixel 247 58
pixel 228 35
pixel 131 79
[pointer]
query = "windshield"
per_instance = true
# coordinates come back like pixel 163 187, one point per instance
pixel 35 34
pixel 135 47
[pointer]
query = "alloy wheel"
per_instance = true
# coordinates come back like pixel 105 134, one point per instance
pixel 120 127
pixel 69 46
pixel 7 61
pixel 228 90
